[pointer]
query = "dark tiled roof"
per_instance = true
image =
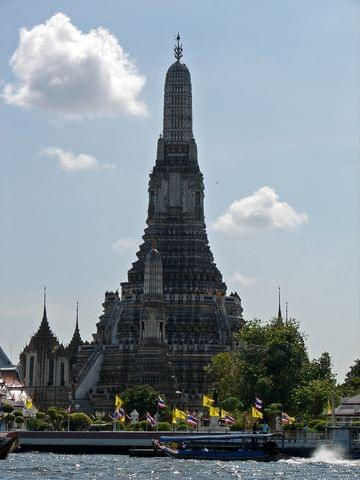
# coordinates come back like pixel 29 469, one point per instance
pixel 4 359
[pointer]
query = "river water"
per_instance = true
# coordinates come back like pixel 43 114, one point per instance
pixel 324 465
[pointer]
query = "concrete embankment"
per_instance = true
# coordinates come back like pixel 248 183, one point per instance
pixel 123 442
pixel 85 442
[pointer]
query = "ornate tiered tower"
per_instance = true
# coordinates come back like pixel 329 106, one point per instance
pixel 173 314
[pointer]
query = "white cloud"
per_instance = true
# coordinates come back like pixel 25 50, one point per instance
pixel 70 162
pixel 260 210
pixel 240 279
pixel 74 74
pixel 124 244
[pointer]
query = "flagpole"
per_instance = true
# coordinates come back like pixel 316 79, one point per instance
pixel 157 416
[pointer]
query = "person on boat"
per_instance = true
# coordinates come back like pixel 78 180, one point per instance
pixel 265 428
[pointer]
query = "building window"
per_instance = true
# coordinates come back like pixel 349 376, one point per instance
pixel 51 372
pixel 161 330
pixel 31 371
pixel 62 374
pixel 142 332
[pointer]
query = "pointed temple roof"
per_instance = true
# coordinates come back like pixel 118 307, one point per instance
pixel 76 340
pixel 4 360
pixel 44 335
pixel 176 199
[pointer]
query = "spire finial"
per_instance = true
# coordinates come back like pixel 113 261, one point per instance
pixel 44 314
pixel 279 312
pixel 178 48
pixel 77 315
pixel 286 313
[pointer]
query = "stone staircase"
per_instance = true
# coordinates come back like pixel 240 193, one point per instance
pixel 83 405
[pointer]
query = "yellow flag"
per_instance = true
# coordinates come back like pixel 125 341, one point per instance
pixel 214 411
pixel 255 413
pixel 118 401
pixel 28 403
pixel 173 420
pixel 292 420
pixel 180 414
pixel 207 401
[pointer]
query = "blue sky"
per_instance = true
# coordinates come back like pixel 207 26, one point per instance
pixel 276 104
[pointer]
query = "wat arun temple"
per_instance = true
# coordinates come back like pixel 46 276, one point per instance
pixel 173 312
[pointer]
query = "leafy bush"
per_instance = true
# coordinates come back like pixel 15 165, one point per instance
pixel 7 408
pixel 144 425
pixel 44 425
pixel 79 421
pixel 40 415
pixel 135 427
pixel 238 426
pixel 9 418
pixel 18 413
pixel 313 422
pixel 320 426
pixel 101 427
pixel 119 425
pixel 37 424
pixel 182 426
pixel 19 419
pixel 299 425
pixel 52 412
pixel 164 426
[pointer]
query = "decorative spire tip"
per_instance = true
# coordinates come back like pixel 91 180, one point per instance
pixel 178 50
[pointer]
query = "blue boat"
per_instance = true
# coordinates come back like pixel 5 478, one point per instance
pixel 243 446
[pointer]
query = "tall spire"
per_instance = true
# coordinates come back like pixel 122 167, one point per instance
pixel 44 313
pixel 177 101
pixel 76 338
pixel 178 49
pixel 286 313
pixel 77 316
pixel 279 311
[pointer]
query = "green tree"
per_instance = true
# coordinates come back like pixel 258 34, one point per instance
pixel 311 398
pixel 271 361
pixel 352 379
pixel 142 398
pixel 320 369
pixel 232 405
pixel 226 373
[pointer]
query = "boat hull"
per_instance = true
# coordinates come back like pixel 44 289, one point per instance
pixel 222 455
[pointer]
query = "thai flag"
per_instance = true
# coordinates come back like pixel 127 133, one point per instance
pixel 118 413
pixel 161 403
pixel 150 419
pixel 229 420
pixel 191 420
pixel 258 403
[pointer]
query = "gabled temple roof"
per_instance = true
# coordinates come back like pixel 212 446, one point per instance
pixel 4 360
pixel 76 340
pixel 44 337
